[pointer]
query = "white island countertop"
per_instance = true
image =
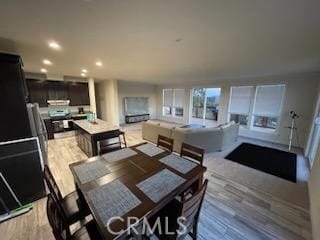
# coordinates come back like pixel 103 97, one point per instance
pixel 100 127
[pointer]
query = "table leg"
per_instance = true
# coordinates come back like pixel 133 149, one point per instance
pixel 197 184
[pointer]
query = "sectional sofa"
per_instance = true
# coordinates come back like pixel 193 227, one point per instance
pixel 210 139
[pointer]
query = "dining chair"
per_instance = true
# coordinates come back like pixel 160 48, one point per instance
pixel 113 142
pixel 189 209
pixel 165 142
pixel 192 152
pixel 60 226
pixel 69 204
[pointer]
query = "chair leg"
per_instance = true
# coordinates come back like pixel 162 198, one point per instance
pixel 124 140
pixel 194 231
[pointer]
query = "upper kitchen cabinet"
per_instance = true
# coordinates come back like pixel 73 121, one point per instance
pixel 14 123
pixel 38 91
pixel 78 93
pixel 57 90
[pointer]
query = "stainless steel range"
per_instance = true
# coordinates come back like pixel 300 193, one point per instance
pixel 60 115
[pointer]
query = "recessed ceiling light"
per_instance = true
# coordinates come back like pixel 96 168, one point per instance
pixel 99 63
pixel 47 62
pixel 83 74
pixel 54 45
pixel 43 70
pixel 84 70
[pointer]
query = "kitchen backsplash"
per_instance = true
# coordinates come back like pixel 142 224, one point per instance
pixel 73 109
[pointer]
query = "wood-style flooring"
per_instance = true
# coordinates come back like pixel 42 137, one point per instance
pixel 231 211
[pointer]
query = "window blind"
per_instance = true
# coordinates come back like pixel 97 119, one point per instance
pixel 178 98
pixel 167 97
pixel 268 100
pixel 240 99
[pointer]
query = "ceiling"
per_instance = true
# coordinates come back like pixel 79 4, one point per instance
pixel 162 41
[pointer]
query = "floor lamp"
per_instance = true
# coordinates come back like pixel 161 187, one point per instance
pixel 293 128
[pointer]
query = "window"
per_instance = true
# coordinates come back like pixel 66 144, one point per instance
pixel 239 118
pixel 173 101
pixel 260 111
pixel 167 102
pixel 205 106
pixel 267 107
pixel 167 111
pixel 178 101
pixel 240 103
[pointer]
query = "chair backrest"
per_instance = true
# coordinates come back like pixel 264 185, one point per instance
pixel 165 142
pixel 112 143
pixel 193 152
pixel 57 220
pixel 51 183
pixel 191 208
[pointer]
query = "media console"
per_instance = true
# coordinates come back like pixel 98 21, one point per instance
pixel 137 118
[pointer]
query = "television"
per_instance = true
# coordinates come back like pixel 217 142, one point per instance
pixel 136 106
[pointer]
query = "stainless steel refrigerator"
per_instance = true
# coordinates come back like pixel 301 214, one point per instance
pixel 38 129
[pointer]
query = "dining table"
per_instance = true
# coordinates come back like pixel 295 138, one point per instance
pixel 134 182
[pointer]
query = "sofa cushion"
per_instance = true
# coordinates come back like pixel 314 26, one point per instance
pixel 168 125
pixel 226 125
pixel 152 129
pixel 153 122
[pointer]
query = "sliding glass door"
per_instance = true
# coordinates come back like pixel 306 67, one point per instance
pixel 205 106
pixel 198 104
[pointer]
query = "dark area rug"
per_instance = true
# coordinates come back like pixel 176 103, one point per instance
pixel 276 162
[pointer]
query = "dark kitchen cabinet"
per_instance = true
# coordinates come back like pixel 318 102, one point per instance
pixel 41 91
pixel 49 127
pixel 84 141
pixel 21 158
pixel 78 93
pixel 57 90
pixel 14 121
pixel 38 90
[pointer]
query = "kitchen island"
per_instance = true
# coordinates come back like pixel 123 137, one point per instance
pixel 89 134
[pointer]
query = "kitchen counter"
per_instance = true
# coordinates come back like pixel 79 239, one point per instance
pixel 100 127
pixel 88 134
pixel 72 115
pixel 79 114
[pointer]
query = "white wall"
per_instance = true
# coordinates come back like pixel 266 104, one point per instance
pixel 136 89
pixel 107 101
pixel 301 93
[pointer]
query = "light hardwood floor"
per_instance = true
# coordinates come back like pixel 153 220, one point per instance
pixel 230 211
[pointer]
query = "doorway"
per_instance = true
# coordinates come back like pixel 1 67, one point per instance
pixel 205 106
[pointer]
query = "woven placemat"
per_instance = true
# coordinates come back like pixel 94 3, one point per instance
pixel 150 149
pixel 159 185
pixel 113 199
pixel 90 171
pixel 119 155
pixel 178 163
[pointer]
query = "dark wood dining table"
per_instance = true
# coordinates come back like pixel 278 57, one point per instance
pixel 131 171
